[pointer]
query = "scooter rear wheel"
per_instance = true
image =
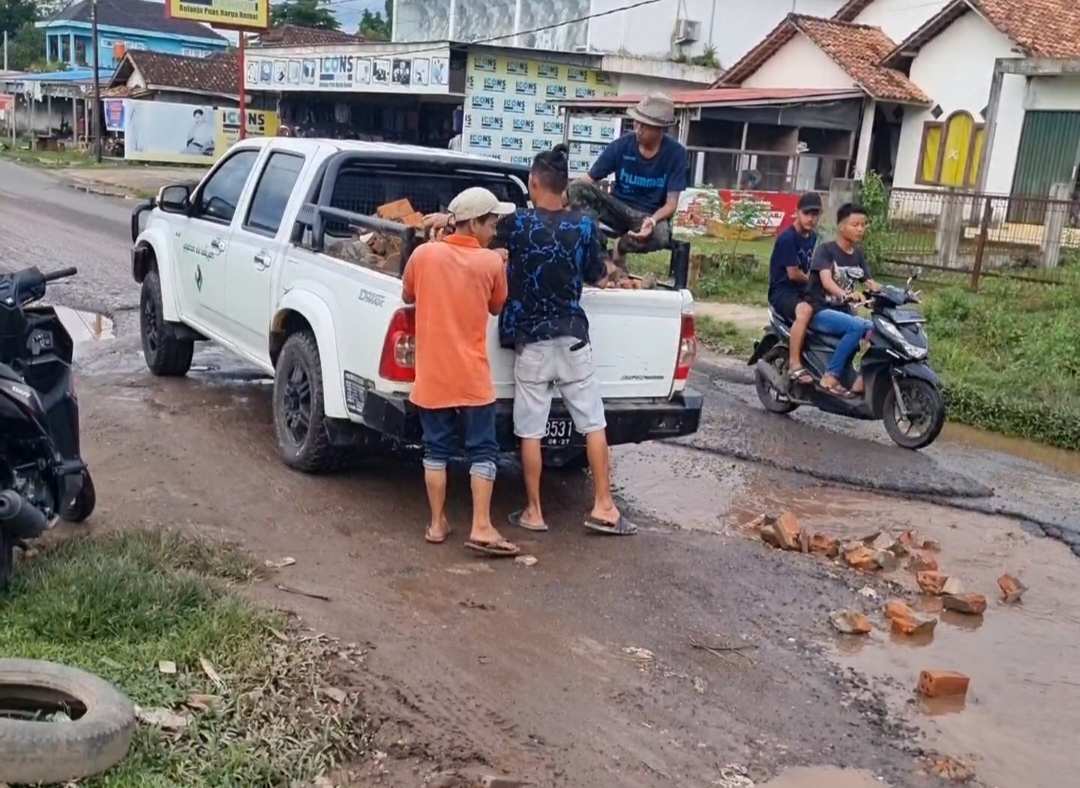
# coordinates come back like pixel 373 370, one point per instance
pixel 771 398
pixel 82 506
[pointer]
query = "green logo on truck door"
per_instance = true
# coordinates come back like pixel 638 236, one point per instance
pixel 198 277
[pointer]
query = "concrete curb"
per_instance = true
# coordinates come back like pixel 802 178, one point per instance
pixel 90 188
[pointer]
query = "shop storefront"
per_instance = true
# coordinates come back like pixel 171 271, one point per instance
pixel 384 92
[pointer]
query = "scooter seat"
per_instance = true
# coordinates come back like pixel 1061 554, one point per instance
pixel 7 373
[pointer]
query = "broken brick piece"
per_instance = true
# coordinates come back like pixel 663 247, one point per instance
pixel 913 625
pixel 931 546
pixel 894 608
pixel 952 586
pixel 1011 588
pixel 395 211
pixel 921 563
pixel 968 604
pixel 851 623
pixel 820 543
pixel 861 557
pixel 931 582
pixel 908 539
pixel 942 683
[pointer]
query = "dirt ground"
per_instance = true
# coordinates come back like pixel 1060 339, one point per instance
pixel 582 670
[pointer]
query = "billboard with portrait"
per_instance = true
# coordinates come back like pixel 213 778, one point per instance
pixel 187 133
pixel 235 14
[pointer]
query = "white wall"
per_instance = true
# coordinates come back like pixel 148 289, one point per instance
pixel 800 63
pixel 955 70
pixel 733 27
pixel 1048 93
pixel 899 18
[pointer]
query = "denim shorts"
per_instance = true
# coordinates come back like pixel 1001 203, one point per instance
pixel 447 430
pixel 564 365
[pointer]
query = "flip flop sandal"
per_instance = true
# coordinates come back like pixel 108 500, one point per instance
pixel 436 539
pixel 837 391
pixel 802 376
pixel 516 520
pixel 622 527
pixel 500 549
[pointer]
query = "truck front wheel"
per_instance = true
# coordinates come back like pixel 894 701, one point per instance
pixel 299 419
pixel 165 354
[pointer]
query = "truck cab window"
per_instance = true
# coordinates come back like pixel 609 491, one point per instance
pixel 273 191
pixel 221 193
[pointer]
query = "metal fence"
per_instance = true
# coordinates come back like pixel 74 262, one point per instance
pixel 958 233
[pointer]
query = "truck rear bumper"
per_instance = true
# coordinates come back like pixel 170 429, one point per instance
pixel 628 421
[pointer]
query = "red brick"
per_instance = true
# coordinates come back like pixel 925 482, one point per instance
pixel 851 623
pixel 942 683
pixel 931 582
pixel 894 608
pixel 913 625
pixel 969 604
pixel 1011 588
pixel 820 543
pixel 921 563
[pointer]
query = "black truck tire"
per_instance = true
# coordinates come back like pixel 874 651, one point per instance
pixel 298 397
pixel 33 752
pixel 166 355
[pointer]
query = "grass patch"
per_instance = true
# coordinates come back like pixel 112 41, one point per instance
pixel 1008 356
pixel 736 281
pixel 119 603
pixel 53 160
pixel 724 337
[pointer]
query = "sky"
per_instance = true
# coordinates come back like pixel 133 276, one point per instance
pixel 349 12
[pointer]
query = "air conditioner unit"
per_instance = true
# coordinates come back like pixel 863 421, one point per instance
pixel 687 30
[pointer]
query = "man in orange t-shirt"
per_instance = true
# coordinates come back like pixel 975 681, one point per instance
pixel 457 284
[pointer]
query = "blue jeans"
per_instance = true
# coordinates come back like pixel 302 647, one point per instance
pixel 851 328
pixel 444 429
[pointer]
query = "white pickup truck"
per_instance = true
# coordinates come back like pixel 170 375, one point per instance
pixel 240 259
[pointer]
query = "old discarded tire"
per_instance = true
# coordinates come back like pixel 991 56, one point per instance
pixel 38 751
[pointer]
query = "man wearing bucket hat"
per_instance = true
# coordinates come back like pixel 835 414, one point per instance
pixel 650 172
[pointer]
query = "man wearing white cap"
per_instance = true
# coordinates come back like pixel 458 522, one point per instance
pixel 650 172
pixel 457 284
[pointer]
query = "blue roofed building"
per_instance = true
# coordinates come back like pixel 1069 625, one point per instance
pixel 124 25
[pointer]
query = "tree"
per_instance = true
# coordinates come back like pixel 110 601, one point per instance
pixel 16 14
pixel 373 26
pixel 26 50
pixel 304 13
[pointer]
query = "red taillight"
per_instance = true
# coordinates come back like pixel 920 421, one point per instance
pixel 687 348
pixel 398 361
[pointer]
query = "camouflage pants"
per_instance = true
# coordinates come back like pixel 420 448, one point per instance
pixel 620 217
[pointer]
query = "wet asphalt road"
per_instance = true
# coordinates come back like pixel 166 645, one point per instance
pixel 558 695
pixel 46 223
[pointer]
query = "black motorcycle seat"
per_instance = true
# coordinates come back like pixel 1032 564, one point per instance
pixel 7 373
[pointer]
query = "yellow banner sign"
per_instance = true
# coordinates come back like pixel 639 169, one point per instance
pixel 246 14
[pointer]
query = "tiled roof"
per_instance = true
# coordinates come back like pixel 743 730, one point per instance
pixel 732 97
pixel 857 49
pixel 1042 28
pixel 218 74
pixel 297 36
pixel 135 15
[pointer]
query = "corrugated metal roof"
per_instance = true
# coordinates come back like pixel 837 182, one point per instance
pixel 723 96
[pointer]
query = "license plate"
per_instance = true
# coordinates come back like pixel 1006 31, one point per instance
pixel 559 432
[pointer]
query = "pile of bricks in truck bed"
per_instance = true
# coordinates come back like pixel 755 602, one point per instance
pixel 375 250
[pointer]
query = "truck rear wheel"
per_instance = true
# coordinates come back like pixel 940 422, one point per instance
pixel 165 354
pixel 299 418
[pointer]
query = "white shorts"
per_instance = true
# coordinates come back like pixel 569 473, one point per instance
pixel 541 369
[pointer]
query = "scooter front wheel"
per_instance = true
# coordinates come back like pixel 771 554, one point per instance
pixel 772 400
pixel 925 408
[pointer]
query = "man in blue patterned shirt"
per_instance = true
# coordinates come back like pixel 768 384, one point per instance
pixel 552 252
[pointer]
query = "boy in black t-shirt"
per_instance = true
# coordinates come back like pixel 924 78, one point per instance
pixel 832 313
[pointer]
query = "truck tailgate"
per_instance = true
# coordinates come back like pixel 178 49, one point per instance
pixel 635 337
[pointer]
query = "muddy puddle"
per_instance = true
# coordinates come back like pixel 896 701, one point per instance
pixel 822 777
pixel 85 328
pixel 1024 699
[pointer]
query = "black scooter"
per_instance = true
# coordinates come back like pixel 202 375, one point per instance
pixel 42 475
pixel 901 389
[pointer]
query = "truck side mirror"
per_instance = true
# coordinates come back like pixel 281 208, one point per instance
pixel 174 199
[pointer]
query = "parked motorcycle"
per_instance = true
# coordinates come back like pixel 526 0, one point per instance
pixel 901 389
pixel 42 475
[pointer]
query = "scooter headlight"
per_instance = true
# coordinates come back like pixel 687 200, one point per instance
pixel 894 335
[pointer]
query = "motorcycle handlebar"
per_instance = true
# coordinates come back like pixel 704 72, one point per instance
pixel 63 273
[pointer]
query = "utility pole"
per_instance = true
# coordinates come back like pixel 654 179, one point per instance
pixel 95 43
pixel 5 51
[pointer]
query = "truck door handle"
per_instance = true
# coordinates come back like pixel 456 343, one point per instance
pixel 262 260
pixel 217 245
